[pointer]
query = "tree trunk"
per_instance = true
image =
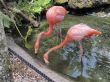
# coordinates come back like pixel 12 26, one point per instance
pixel 5 73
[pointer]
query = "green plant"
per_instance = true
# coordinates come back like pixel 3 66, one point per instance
pixel 25 8
pixel 35 6
pixel 26 37
pixel 5 20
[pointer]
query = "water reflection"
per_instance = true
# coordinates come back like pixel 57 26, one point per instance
pixel 95 65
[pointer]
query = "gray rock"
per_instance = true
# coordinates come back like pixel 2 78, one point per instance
pixel 5 74
pixel 86 3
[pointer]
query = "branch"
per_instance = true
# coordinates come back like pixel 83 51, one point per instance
pixel 2 2
pixel 31 20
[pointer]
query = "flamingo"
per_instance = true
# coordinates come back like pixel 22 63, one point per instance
pixel 77 33
pixel 54 15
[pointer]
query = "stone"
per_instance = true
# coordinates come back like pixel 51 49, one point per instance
pixel 86 3
pixel 5 72
pixel 61 1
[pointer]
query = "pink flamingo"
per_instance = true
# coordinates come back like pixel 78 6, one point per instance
pixel 76 32
pixel 54 15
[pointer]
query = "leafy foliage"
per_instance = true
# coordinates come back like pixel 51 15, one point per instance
pixel 5 20
pixel 28 7
pixel 35 6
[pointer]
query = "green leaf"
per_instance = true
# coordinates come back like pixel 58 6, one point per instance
pixel 37 9
pixel 43 2
pixel 29 31
pixel 6 21
pixel 27 45
pixel 35 6
pixel 46 2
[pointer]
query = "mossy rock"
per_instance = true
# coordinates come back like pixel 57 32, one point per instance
pixel 86 3
pixel 61 1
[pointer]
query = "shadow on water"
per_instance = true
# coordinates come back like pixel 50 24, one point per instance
pixel 95 65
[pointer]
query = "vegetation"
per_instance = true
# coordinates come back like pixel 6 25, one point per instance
pixel 34 6
pixel 5 20
pixel 22 14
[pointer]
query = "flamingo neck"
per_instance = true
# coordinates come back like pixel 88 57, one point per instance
pixel 38 40
pixel 67 39
pixel 50 30
pixel 37 43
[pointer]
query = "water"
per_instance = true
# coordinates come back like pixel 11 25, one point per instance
pixel 95 65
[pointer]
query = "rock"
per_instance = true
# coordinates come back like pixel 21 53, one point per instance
pixel 5 74
pixel 86 3
pixel 61 1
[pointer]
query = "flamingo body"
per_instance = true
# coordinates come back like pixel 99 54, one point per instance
pixel 54 15
pixel 76 32
pixel 79 31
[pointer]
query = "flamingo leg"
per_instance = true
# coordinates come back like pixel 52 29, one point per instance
pixel 37 43
pixel 58 30
pixel 81 48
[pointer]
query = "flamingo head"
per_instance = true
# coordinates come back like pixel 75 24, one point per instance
pixel 94 32
pixel 61 10
pixel 36 48
pixel 46 58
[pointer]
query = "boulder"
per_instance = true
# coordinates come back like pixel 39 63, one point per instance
pixel 83 3
pixel 86 3
pixel 61 1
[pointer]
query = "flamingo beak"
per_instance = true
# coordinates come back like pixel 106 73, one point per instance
pixel 95 32
pixel 67 12
pixel 46 59
pixel 98 33
pixel 36 51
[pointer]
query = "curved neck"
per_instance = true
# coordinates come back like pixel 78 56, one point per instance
pixel 66 40
pixel 50 30
pixel 38 39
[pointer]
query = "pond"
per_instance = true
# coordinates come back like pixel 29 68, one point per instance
pixel 95 65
